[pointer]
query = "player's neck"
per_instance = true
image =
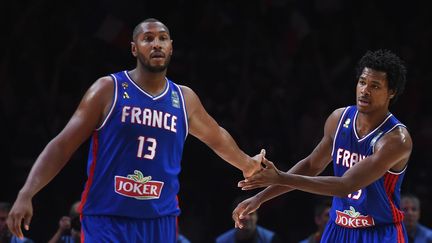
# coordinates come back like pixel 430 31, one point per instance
pixel 367 122
pixel 152 83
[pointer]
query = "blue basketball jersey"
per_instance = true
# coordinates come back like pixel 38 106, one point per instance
pixel 134 157
pixel 378 203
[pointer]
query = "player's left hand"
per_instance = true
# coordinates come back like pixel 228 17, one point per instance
pixel 266 177
pixel 246 207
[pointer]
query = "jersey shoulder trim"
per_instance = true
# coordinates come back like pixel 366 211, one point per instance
pixel 341 118
pixel 113 103
pixel 184 108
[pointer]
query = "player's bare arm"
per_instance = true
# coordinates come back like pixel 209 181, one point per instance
pixel 312 165
pixel 89 114
pixel 206 129
pixel 392 152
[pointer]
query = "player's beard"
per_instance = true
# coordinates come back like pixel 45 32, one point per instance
pixel 145 62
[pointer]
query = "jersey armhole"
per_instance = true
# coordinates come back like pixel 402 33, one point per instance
pixel 398 172
pixel 113 103
pixel 338 127
pixel 394 172
pixel 184 109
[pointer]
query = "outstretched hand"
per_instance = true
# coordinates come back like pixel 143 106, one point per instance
pixel 21 213
pixel 268 176
pixel 246 207
pixel 256 166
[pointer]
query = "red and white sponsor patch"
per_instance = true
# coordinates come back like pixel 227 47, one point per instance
pixel 348 221
pixel 139 190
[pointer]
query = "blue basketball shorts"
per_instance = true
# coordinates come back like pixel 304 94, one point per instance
pixel 99 229
pixel 376 234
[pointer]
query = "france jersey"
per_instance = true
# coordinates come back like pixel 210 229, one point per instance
pixel 378 203
pixel 134 157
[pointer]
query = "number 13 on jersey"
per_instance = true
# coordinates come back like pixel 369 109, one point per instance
pixel 355 195
pixel 146 147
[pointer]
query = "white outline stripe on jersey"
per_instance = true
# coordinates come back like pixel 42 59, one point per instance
pixel 338 127
pixel 363 138
pixel 149 95
pixel 396 125
pixel 398 173
pixel 184 109
pixel 373 149
pixel 113 104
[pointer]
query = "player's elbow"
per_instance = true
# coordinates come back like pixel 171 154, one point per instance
pixel 345 187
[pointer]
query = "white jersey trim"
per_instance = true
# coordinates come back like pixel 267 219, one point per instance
pixel 184 110
pixel 363 138
pixel 396 125
pixel 373 149
pixel 113 104
pixel 391 129
pixel 400 172
pixel 156 97
pixel 338 128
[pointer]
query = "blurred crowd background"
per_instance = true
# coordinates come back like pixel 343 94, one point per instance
pixel 269 71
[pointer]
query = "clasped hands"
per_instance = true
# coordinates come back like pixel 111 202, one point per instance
pixel 265 176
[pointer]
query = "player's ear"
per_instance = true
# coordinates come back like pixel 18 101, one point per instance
pixel 134 49
pixel 392 93
pixel 171 52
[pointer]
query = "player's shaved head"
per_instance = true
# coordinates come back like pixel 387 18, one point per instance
pixel 138 29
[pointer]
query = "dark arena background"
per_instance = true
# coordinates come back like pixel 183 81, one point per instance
pixel 268 71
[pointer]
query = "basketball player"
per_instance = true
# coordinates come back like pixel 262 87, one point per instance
pixel 370 149
pixel 139 121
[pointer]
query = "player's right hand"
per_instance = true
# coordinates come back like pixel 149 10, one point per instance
pixel 256 164
pixel 244 208
pixel 21 212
